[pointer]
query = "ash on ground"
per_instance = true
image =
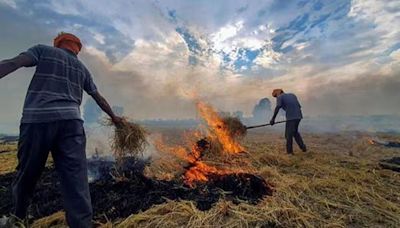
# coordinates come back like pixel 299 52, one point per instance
pixel 120 192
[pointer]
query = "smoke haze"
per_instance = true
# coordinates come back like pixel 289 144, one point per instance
pixel 153 58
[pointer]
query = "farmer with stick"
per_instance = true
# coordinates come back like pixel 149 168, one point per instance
pixel 291 105
pixel 51 121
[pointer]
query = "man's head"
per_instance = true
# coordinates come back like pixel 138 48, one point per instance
pixel 277 92
pixel 68 41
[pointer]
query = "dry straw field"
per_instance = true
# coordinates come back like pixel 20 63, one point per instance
pixel 338 183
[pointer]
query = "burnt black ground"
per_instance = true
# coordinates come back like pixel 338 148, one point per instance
pixel 392 164
pixel 113 199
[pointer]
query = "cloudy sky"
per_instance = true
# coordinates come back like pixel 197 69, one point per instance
pixel 340 57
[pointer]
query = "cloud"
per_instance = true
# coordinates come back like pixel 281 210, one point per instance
pixel 149 55
pixel 10 3
pixel 395 55
pixel 223 34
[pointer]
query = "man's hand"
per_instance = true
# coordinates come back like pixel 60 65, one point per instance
pixel 272 122
pixel 103 104
pixel 118 121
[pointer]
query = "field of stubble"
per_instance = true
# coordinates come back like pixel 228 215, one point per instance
pixel 338 183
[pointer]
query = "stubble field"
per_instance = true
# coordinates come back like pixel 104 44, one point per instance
pixel 337 183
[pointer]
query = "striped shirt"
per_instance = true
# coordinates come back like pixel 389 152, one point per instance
pixel 55 92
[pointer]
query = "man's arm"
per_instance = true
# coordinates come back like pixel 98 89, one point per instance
pixel 103 104
pixel 276 111
pixel 272 122
pixel 10 65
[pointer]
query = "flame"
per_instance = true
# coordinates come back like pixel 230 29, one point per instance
pixel 218 127
pixel 199 173
pixel 178 151
pixel 197 170
pixel 371 141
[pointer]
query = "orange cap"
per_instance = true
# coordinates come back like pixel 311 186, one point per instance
pixel 276 92
pixel 67 37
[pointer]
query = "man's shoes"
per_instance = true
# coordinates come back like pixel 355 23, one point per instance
pixel 290 153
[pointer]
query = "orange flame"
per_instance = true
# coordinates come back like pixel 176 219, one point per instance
pixel 218 127
pixel 371 142
pixel 199 173
pixel 197 170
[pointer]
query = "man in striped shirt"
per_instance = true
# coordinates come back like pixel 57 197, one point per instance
pixel 51 121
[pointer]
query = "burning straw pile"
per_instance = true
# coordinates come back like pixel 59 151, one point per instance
pixel 129 139
pixel 219 141
pixel 234 126
pixel 225 130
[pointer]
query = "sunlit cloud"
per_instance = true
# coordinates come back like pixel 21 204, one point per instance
pixel 232 52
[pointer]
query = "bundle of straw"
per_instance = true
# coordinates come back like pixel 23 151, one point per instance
pixel 129 139
pixel 234 126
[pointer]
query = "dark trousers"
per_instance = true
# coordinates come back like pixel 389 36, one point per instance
pixel 292 131
pixel 66 140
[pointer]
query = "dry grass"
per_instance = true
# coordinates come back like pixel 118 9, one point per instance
pixel 8 159
pixel 129 139
pixel 8 147
pixel 337 184
pixel 56 220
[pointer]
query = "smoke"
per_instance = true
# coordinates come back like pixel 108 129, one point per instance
pixel 98 140
pixel 374 94
pixel 162 87
pixel 149 91
pixel 155 81
pixel 91 112
pixel 261 111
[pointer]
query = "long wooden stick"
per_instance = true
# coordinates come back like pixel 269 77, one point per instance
pixel 263 125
